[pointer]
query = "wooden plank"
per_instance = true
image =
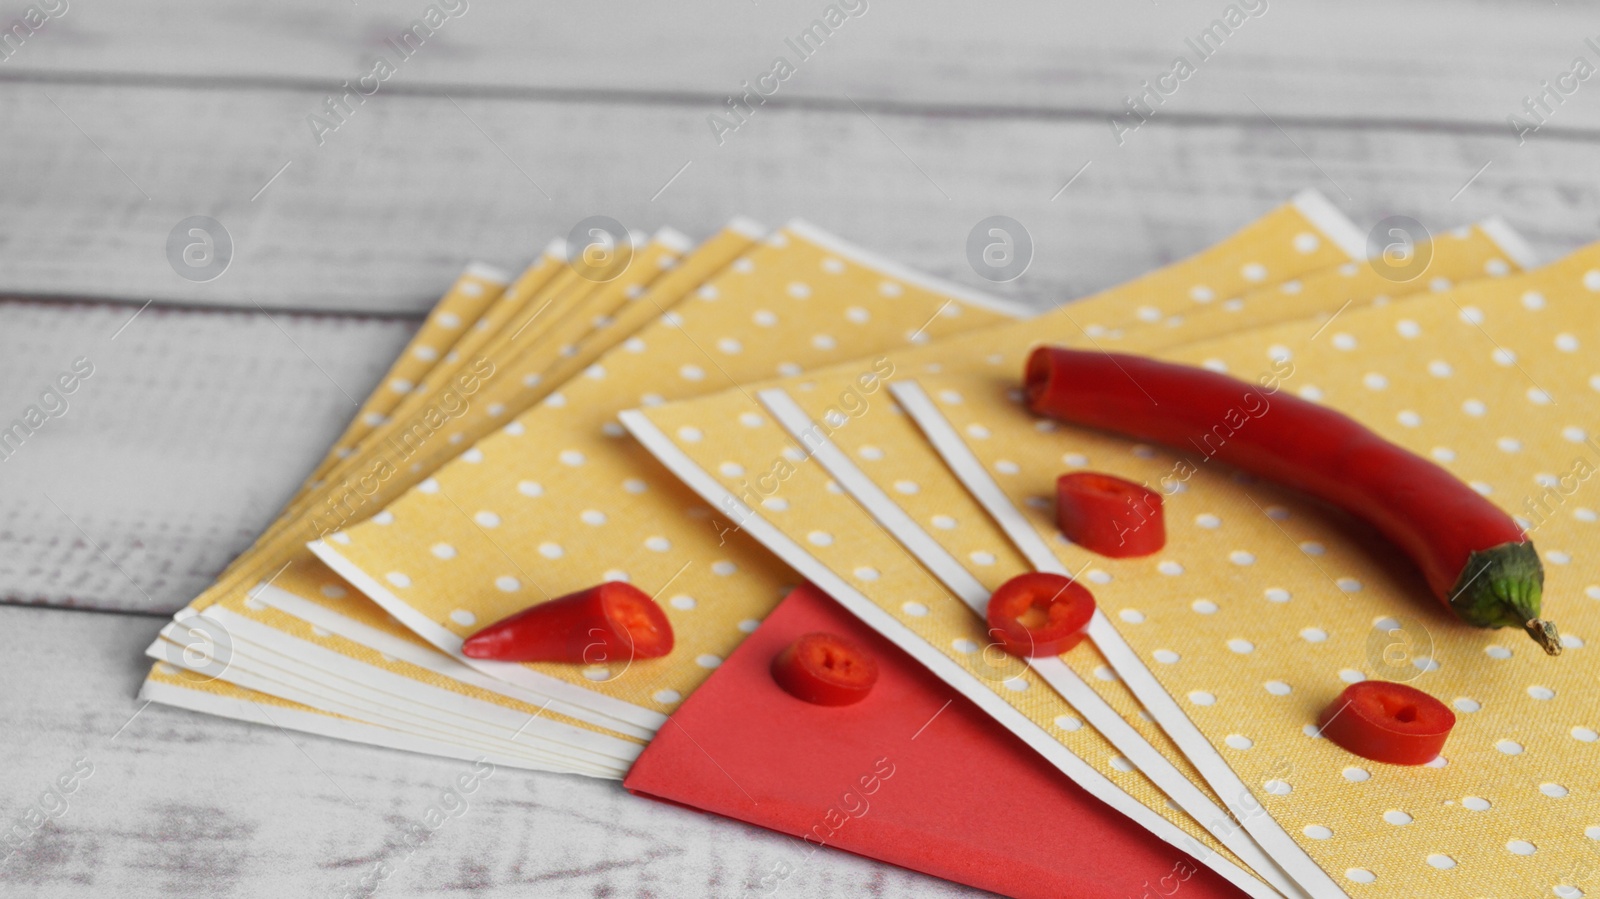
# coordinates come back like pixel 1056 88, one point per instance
pixel 410 186
pixel 1366 60
pixel 192 428
pixel 182 804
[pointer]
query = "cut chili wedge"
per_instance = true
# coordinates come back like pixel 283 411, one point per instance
pixel 1040 614
pixel 1109 515
pixel 825 669
pixel 1388 722
pixel 608 623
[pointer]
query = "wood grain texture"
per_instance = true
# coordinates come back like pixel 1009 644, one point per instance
pixel 181 804
pixel 514 121
pixel 410 186
pixel 1448 63
pixel 192 430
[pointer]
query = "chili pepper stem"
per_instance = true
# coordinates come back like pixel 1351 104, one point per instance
pixel 1503 586
pixel 1545 633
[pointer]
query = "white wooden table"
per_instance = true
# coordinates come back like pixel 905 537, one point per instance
pixel 507 126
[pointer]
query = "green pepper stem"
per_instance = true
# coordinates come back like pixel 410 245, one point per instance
pixel 1503 586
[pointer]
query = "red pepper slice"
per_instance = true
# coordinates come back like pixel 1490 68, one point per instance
pixel 607 623
pixel 1109 515
pixel 1388 722
pixel 825 669
pixel 1040 614
pixel 1476 559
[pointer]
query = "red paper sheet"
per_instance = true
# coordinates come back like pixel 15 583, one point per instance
pixel 914 775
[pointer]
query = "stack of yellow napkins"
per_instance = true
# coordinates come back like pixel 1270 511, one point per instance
pixel 718 422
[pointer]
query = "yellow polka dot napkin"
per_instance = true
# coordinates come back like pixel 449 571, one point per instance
pixel 912 480
pixel 806 526
pixel 403 686
pixel 547 297
pixel 1490 249
pixel 468 298
pixel 473 293
pixel 436 363
pixel 438 345
pixel 560 499
pixel 580 342
pixel 911 497
pixel 424 430
pixel 1263 605
pixel 462 312
pixel 510 368
pixel 512 519
pixel 380 650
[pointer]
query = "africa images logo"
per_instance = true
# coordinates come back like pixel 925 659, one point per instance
pixel 1142 104
pixel 338 108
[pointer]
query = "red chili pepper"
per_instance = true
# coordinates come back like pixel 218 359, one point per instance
pixel 1475 558
pixel 1040 614
pixel 825 669
pixel 1387 722
pixel 1109 515
pixel 608 623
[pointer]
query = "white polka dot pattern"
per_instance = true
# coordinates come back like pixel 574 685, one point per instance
pixel 813 503
pixel 1494 399
pixel 583 501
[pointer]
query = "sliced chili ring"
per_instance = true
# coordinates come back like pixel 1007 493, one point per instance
pixel 1109 515
pixel 1040 614
pixel 607 623
pixel 825 669
pixel 1387 722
